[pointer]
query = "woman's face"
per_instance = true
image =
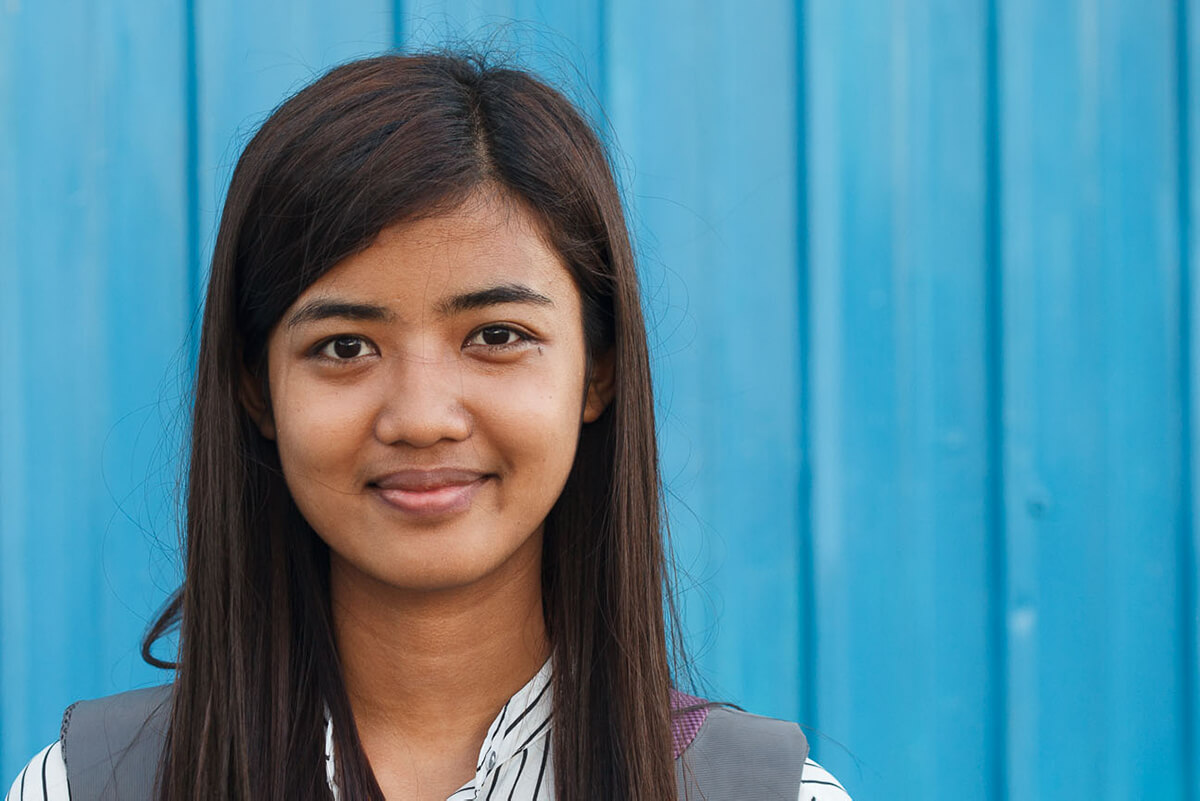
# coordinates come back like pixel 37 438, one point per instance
pixel 427 395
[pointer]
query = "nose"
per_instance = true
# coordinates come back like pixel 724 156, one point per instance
pixel 422 403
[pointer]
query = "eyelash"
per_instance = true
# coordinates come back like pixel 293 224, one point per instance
pixel 521 338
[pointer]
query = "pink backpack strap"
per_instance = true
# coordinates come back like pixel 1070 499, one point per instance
pixel 687 716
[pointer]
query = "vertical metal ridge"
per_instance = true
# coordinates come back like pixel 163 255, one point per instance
pixel 397 24
pixel 602 58
pixel 808 639
pixel 1187 546
pixel 994 338
pixel 191 94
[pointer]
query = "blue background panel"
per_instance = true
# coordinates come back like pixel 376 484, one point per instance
pixel 1093 402
pixel 1187 567
pixel 898 201
pixel 919 282
pixel 730 380
pixel 95 307
pixel 249 56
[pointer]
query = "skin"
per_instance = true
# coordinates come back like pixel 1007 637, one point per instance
pixel 438 617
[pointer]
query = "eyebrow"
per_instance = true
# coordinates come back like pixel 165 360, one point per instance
pixel 325 309
pixel 330 308
pixel 492 296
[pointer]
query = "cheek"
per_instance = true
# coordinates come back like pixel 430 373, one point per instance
pixel 319 429
pixel 536 414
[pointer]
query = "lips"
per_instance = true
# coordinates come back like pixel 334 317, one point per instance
pixel 429 493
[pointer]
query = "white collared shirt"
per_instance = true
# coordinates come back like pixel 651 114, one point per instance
pixel 515 761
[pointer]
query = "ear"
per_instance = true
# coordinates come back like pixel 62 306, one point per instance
pixel 601 387
pixel 252 395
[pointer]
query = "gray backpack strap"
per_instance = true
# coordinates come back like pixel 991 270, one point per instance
pixel 112 746
pixel 737 755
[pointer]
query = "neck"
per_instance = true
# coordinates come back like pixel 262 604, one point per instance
pixel 431 668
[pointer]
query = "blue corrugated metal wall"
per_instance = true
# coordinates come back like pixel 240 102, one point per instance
pixel 920 281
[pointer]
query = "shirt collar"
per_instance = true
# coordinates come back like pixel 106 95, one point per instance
pixel 523 721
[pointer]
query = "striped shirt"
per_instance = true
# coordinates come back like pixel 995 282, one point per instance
pixel 515 761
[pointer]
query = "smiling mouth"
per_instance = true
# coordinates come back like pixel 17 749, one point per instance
pixel 429 493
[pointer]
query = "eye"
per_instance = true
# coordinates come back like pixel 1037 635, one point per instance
pixel 496 336
pixel 344 348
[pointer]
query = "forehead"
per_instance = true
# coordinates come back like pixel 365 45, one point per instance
pixel 486 241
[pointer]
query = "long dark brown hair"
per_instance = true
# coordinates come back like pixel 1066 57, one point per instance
pixel 372 143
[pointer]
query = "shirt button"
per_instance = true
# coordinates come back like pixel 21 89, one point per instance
pixel 491 761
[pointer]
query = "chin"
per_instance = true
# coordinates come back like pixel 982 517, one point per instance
pixel 434 578
pixel 409 567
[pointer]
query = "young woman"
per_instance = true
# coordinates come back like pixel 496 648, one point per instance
pixel 424 555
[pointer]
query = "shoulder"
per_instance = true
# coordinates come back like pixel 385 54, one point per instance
pixel 132 704
pixel 111 746
pixel 733 752
pixel 747 731
pixel 114 722
pixel 43 779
